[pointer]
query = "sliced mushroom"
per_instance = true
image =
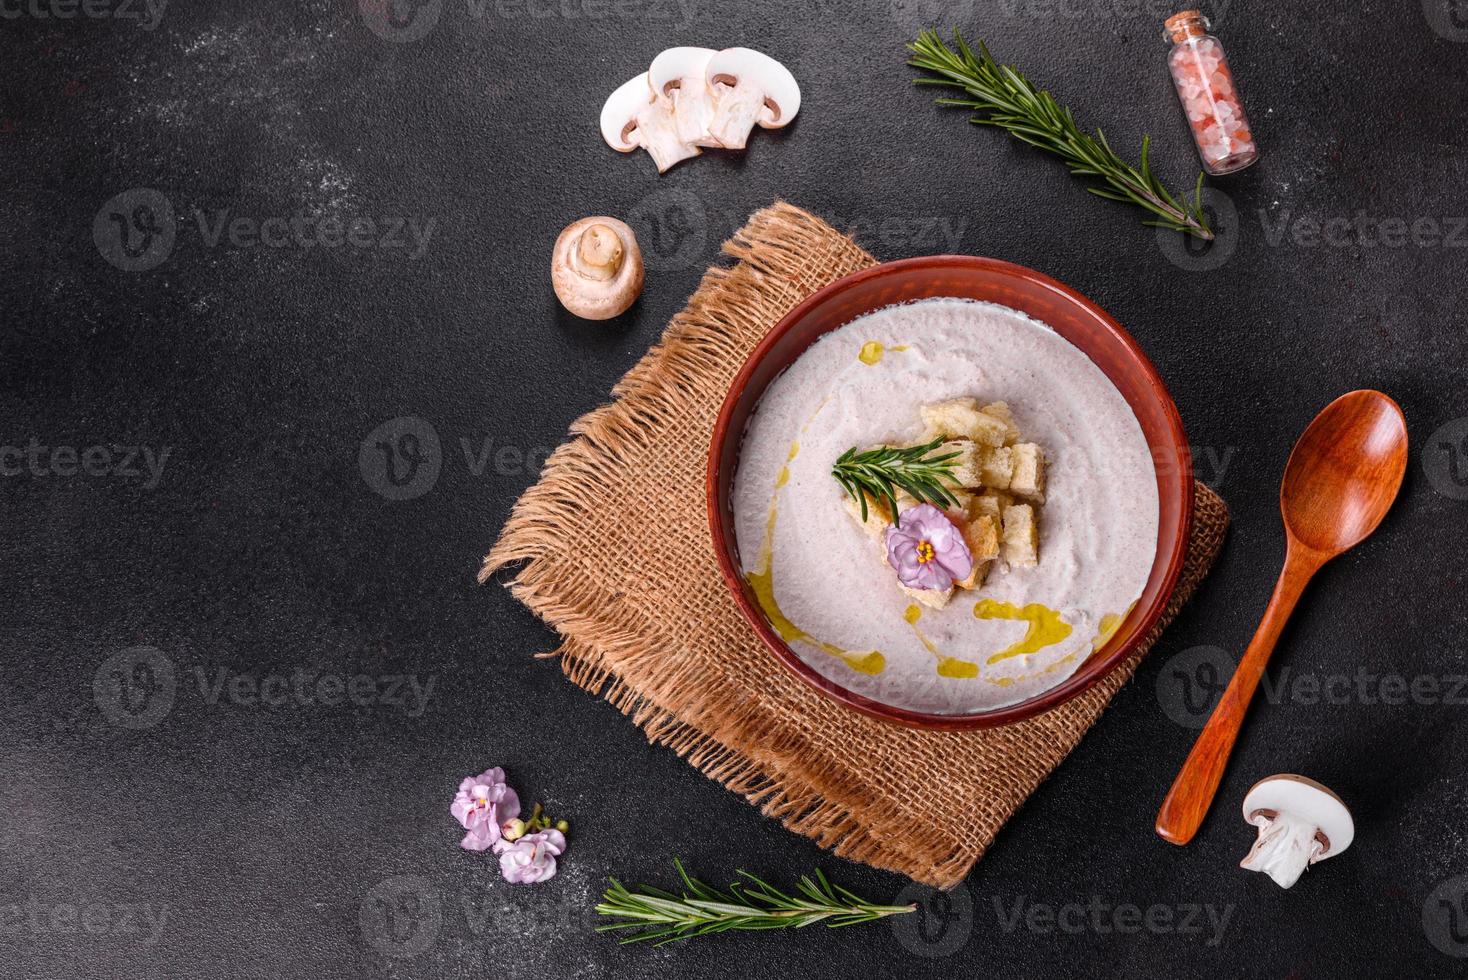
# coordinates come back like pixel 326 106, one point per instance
pixel 1300 822
pixel 749 87
pixel 635 116
pixel 596 268
pixel 678 75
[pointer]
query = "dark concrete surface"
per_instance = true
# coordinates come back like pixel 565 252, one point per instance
pixel 180 793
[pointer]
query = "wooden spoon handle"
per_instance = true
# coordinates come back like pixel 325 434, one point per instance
pixel 1187 802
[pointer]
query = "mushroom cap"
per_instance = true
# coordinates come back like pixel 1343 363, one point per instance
pixel 1308 800
pixel 675 64
pixel 619 112
pixel 782 92
pixel 587 297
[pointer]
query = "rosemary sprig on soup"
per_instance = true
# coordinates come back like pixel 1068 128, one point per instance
pixel 884 472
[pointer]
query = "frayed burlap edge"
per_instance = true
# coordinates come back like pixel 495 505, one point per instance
pixel 614 649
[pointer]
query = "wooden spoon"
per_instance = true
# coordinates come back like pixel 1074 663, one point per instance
pixel 1340 481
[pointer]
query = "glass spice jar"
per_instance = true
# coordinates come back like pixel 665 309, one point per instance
pixel 1210 99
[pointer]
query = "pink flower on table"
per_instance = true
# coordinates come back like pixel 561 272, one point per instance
pixel 532 858
pixel 481 805
pixel 927 550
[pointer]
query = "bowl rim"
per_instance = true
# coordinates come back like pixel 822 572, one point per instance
pixel 1133 630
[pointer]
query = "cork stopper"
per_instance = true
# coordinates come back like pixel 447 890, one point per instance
pixel 1185 24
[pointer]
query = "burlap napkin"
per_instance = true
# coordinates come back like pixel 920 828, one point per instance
pixel 617 556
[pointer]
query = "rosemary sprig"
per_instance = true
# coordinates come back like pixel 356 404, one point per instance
pixel 881 472
pixel 664 917
pixel 1001 96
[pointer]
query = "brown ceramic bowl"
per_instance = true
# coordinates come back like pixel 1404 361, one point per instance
pixel 1070 314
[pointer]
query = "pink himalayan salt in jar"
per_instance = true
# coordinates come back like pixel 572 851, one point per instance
pixel 1209 97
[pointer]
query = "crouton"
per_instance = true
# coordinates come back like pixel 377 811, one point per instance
pixel 989 504
pixel 879 517
pixel 977 577
pixel 962 419
pixel 952 419
pixel 932 598
pixel 982 537
pixel 1028 480
pixel 990 431
pixel 965 466
pixel 996 468
pixel 1021 536
pixel 1000 411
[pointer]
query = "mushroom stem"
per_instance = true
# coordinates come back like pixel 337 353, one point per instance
pixel 598 253
pixel 692 112
pixel 737 107
pixel 1285 847
pixel 657 131
pixel 678 73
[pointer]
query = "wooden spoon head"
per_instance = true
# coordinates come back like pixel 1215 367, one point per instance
pixel 1344 473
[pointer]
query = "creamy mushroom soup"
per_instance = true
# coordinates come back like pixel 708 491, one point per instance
pixel 825 585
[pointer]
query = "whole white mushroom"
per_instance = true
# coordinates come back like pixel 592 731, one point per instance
pixel 596 267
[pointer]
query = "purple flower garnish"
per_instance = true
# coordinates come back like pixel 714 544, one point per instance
pixel 532 858
pixel 927 550
pixel 482 803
